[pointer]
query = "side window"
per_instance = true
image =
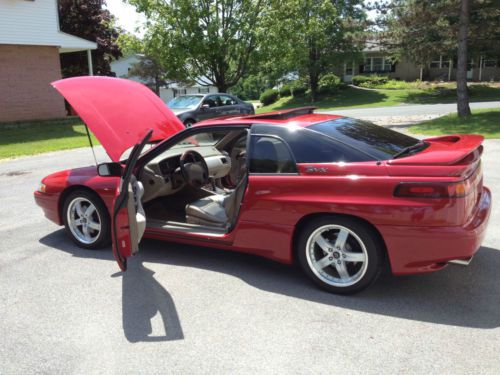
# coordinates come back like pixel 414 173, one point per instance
pixel 308 147
pixel 270 155
pixel 211 101
pixel 226 100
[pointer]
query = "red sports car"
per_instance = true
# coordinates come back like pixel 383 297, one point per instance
pixel 337 195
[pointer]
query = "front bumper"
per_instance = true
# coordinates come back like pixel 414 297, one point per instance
pixel 50 205
pixel 426 249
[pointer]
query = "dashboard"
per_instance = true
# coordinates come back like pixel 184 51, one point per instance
pixel 162 175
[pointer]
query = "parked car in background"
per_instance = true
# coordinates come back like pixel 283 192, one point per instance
pixel 193 108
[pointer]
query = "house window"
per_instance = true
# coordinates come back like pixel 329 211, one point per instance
pixel 490 63
pixel 378 65
pixel 442 62
pixel 436 63
pixel 348 69
pixel 178 92
pixel 203 90
pixel 445 62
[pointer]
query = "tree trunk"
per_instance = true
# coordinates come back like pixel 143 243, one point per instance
pixel 221 87
pixel 463 108
pixel 313 85
pixel 221 83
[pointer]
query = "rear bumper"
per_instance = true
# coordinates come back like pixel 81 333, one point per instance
pixel 49 204
pixel 426 249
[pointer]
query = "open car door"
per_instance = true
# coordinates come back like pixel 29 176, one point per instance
pixel 129 220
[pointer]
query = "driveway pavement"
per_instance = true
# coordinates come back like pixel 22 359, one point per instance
pixel 183 309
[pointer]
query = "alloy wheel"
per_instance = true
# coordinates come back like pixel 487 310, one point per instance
pixel 83 220
pixel 337 255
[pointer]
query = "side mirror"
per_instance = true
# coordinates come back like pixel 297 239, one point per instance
pixel 205 106
pixel 109 170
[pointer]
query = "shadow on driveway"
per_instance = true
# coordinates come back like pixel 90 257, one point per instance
pixel 458 296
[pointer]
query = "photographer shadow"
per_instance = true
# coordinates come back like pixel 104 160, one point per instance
pixel 143 297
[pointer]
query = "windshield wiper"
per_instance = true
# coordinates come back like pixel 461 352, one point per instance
pixel 411 149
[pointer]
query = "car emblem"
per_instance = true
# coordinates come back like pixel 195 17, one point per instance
pixel 316 169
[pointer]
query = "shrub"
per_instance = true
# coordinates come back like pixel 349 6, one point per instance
pixel 369 81
pixel 298 90
pixel 269 96
pixel 328 84
pixel 285 90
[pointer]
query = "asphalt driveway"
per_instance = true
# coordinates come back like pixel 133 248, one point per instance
pixel 182 309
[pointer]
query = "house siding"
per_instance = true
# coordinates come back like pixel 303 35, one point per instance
pixel 406 71
pixel 43 22
pixel 25 76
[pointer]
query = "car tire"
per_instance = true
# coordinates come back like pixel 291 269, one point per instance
pixel 189 122
pixel 345 269
pixel 92 229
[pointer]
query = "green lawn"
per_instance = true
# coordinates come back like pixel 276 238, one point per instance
pixel 42 136
pixel 358 98
pixel 485 122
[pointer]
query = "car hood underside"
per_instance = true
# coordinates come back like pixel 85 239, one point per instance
pixel 118 111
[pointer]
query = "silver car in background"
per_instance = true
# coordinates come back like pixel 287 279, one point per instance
pixel 198 107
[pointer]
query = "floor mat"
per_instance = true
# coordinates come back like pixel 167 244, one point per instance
pixel 173 207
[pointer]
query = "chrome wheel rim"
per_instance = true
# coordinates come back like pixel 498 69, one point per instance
pixel 84 221
pixel 336 255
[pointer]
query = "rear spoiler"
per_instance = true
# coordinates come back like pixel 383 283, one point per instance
pixel 446 150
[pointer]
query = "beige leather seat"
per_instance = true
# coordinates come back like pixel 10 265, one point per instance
pixel 217 210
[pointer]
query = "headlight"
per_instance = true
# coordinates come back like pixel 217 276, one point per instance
pixel 42 188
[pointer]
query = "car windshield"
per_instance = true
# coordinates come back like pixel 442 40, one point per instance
pixel 185 101
pixel 196 140
pixel 380 142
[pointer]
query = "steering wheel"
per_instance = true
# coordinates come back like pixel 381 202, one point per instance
pixel 194 169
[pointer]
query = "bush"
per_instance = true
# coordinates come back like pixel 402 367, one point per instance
pixel 394 84
pixel 298 90
pixel 285 90
pixel 269 96
pixel 369 81
pixel 250 87
pixel 328 84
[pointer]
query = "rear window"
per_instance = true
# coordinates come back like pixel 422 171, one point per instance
pixel 380 142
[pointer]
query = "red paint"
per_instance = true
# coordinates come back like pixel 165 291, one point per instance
pixel 420 234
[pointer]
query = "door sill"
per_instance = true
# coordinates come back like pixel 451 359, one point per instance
pixel 185 227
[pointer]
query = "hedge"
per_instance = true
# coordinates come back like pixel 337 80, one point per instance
pixel 269 96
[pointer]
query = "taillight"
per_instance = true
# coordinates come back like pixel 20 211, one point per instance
pixel 433 190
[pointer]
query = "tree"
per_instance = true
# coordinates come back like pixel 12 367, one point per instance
pixel 250 87
pixel 130 44
pixel 88 20
pixel 422 30
pixel 150 70
pixel 463 107
pixel 318 35
pixel 208 42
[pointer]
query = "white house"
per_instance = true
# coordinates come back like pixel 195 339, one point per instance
pixel 122 66
pixel 30 44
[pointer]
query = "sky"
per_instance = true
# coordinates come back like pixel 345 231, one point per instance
pixel 126 16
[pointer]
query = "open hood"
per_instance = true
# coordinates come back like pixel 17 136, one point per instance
pixel 118 111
